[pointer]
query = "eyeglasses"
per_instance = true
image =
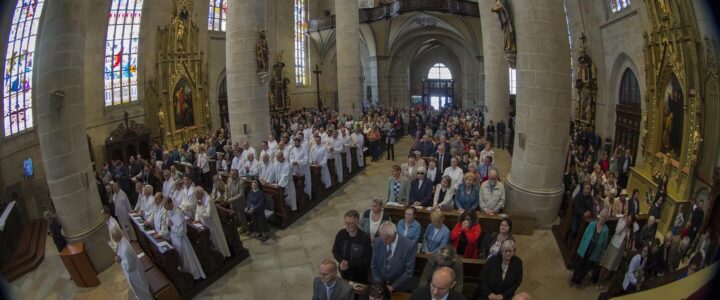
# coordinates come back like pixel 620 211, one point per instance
pixel 421 173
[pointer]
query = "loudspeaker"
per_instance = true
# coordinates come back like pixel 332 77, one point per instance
pixel 57 99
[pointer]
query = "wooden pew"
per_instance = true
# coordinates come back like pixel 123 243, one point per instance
pixel 300 196
pixel 318 188
pixel 472 268
pixel 228 219
pixel 488 223
pixel 353 153
pixel 333 174
pixel 199 237
pixel 160 286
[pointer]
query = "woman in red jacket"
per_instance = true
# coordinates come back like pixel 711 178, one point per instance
pixel 465 235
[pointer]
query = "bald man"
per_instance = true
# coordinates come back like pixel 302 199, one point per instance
pixel 440 288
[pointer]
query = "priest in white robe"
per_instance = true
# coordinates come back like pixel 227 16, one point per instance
pixel 251 168
pixel 168 183
pixel 112 225
pixel 272 145
pixel 122 209
pixel 157 207
pixel 337 155
pixel 282 176
pixel 188 202
pixel 266 168
pixel 131 267
pixel 358 140
pixel 319 158
pixel 145 202
pixel 301 164
pixel 345 136
pixel 206 214
pixel 176 228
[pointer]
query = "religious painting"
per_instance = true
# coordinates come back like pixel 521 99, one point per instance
pixel 672 129
pixel 183 104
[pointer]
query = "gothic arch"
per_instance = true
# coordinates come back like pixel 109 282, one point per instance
pixel 622 64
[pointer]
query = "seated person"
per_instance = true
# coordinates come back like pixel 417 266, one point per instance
pixel 443 281
pixel 436 234
pixel 444 193
pixel 420 189
pixel 443 257
pixel 492 194
pixel 465 235
pixel 502 274
pixel 373 218
pixel 467 194
pixel 408 227
pixel 393 261
pixel 329 286
pixel 496 238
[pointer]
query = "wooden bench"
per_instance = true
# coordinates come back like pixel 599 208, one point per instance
pixel 160 286
pixel 488 223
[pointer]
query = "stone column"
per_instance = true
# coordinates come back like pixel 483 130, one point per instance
pixel 534 184
pixel 63 140
pixel 347 32
pixel 497 95
pixel 248 106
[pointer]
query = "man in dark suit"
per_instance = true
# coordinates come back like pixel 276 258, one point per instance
pixel 582 205
pixel 500 134
pixel 697 218
pixel 420 189
pixel 441 287
pixel 328 286
pixel 443 158
pixel 490 132
pixel 426 146
pixel 634 203
pixel 442 142
pixel 393 260
pixel 433 173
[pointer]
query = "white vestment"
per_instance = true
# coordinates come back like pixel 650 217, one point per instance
pixel 188 201
pixel 122 209
pixel 358 140
pixel 282 176
pixel 168 186
pixel 251 168
pixel 266 170
pixel 337 155
pixel 112 224
pixel 319 157
pixel 145 203
pixel 160 223
pixel 178 235
pixel 208 216
pixel 133 270
pixel 299 155
pixel 346 151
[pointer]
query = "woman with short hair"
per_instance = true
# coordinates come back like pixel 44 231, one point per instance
pixel 373 218
pixel 465 235
pixel 502 274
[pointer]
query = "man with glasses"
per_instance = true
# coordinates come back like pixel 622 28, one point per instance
pixel 420 189
pixel 440 287
pixel 328 286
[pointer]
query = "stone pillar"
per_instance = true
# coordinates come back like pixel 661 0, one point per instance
pixel 347 32
pixel 534 184
pixel 497 95
pixel 63 140
pixel 248 106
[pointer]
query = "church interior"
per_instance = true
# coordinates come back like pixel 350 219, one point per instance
pixel 360 149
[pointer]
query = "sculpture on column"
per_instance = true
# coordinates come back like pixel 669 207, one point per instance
pixel 279 98
pixel 586 85
pixel 261 56
pixel 502 9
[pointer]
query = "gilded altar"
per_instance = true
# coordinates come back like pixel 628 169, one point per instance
pixel 681 93
pixel 180 85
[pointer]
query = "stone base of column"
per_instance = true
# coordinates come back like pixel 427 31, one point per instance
pixel 96 246
pixel 543 204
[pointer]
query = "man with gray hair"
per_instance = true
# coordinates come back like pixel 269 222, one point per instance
pixel 393 260
pixel 329 286
pixel 492 194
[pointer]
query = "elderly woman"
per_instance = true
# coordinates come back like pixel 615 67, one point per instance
pixel 256 210
pixel 591 247
pixel 467 195
pixel 635 270
pixel 444 193
pixel 465 235
pixel 615 251
pixel 436 234
pixel 374 217
pixel 408 227
pixel 443 257
pixel 497 238
pixel 502 274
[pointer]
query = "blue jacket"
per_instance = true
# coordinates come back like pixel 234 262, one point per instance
pixel 585 242
pixel 442 238
pixel 402 263
pixel 467 201
pixel 413 233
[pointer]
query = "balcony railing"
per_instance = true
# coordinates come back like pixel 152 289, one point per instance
pixel 458 7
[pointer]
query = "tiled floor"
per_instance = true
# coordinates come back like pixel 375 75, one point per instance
pixel 284 267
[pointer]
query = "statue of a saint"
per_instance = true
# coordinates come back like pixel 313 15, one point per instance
pixel 261 53
pixel 502 8
pixel 180 33
pixel 667 128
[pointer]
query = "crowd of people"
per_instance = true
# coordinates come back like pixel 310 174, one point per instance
pixel 597 184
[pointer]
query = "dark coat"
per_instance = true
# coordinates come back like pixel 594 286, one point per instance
pixel 422 194
pixel 491 280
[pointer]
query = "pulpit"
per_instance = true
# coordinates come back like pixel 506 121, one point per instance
pixel 128 139
pixel 78 265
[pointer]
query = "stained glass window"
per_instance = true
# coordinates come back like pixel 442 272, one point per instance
pixel 512 74
pixel 439 71
pixel 18 71
pixel 300 42
pixel 121 52
pixel 217 15
pixel 618 5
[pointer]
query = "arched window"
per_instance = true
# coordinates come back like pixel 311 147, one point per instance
pixel 217 15
pixel 628 113
pixel 512 74
pixel 618 5
pixel 439 71
pixel 629 89
pixel 121 52
pixel 300 42
pixel 18 71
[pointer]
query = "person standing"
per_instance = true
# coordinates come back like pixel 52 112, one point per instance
pixel 131 266
pixel 635 271
pixel 122 209
pixel 501 134
pixel 176 229
pixel 55 230
pixel 352 248
pixel 390 137
pixel 393 260
pixel 441 287
pixel 591 247
pixel 490 132
pixel 397 187
pixel 328 286
pixel 206 214
pixel 256 210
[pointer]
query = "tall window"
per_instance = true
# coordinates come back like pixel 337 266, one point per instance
pixel 300 42
pixel 618 5
pixel 121 52
pixel 439 71
pixel 629 89
pixel 628 113
pixel 17 82
pixel 217 15
pixel 512 74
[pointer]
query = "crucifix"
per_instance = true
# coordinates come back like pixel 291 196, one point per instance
pixel 317 73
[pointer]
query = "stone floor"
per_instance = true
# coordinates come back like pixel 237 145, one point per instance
pixel 284 267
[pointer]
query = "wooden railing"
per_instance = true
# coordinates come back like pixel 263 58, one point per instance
pixel 458 7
